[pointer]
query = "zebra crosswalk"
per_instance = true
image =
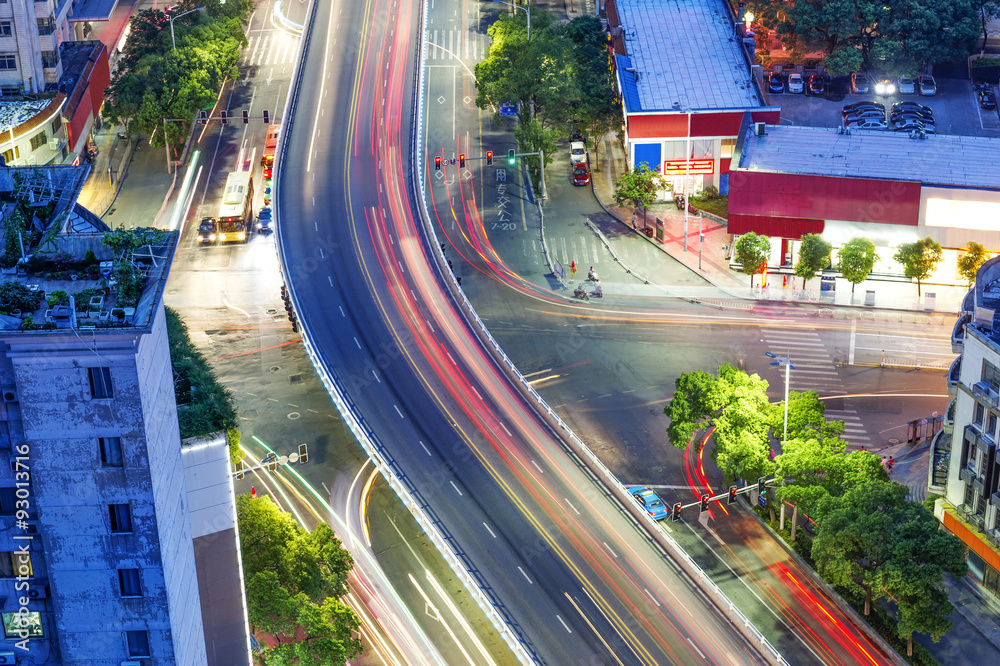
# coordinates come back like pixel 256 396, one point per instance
pixel 813 370
pixel 269 48
pixel 462 44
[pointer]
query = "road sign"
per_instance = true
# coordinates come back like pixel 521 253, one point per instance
pixel 508 109
pixel 762 500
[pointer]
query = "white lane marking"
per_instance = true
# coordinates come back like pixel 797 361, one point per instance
pixel 609 548
pixel 425 447
pixel 654 600
pixel 571 506
pixel 537 467
pixel 489 530
pixel 321 255
pixel 341 310
pixel 505 430
pixel 357 343
pixel 476 392
pixel 456 488
pixel 696 648
pixel 396 407
pixel 330 280
pixel 314 202
pixel 380 381
pixel 565 626
pixel 525 575
pixel 401 269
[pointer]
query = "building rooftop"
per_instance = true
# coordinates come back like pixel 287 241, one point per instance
pixel 683 51
pixel 69 270
pixel 938 159
pixel 13 114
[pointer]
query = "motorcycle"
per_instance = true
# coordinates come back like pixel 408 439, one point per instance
pixel 598 291
pixel 679 201
pixel 581 293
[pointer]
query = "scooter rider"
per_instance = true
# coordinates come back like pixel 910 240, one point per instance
pixel 592 276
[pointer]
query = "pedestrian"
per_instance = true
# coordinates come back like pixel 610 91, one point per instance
pixel 890 464
pixel 459 281
pixel 862 449
pixel 633 221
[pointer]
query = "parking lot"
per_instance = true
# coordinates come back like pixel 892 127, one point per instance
pixel 956 108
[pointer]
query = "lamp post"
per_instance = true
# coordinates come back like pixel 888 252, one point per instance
pixel 172 42
pixel 785 361
pixel 526 11
pixel 687 179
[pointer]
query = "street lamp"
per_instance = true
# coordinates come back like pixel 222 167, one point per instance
pixel 526 11
pixel 748 22
pixel 785 361
pixel 172 42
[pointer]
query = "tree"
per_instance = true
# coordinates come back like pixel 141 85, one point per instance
pixel 969 263
pixel 752 252
pixel 696 398
pixel 855 261
pixel 814 256
pixel 919 259
pixel 638 187
pixel 295 581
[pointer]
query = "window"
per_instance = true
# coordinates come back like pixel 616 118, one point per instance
pixel 728 145
pixel 5 30
pixel 22 625
pixel 15 564
pixel 38 140
pixel 8 157
pixel 56 125
pixel 128 582
pixel 980 411
pixel 991 374
pixel 7 89
pixel 8 61
pixel 111 451
pixel 121 518
pixel 138 643
pixel 46 26
pixel 8 501
pixel 100 383
pixel 50 59
pixel 991 429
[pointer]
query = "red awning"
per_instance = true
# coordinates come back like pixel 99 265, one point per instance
pixel 775 227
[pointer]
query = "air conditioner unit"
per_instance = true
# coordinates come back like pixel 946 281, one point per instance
pixel 7 658
pixel 54 143
pixel 759 129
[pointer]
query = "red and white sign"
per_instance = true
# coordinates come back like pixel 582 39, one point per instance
pixel 678 167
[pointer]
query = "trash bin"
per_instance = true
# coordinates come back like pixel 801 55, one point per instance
pixel 929 299
pixel 870 297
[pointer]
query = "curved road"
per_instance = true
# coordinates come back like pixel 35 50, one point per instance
pixel 572 565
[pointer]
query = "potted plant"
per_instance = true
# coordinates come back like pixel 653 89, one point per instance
pixel 49 326
pixel 48 276
pixel 118 313
pixel 28 323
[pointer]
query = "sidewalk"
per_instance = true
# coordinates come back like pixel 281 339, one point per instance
pixel 609 161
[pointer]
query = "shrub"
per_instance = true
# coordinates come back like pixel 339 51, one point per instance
pixel 17 296
pixel 90 259
pixel 57 297
pixel 28 323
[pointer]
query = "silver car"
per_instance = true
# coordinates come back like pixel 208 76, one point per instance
pixel 927 84
pixel 577 152
pixel 795 83
pixel 859 83
pixel 867 123
pixel 905 85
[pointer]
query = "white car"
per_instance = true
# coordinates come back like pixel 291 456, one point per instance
pixel 868 123
pixel 905 85
pixel 577 152
pixel 795 83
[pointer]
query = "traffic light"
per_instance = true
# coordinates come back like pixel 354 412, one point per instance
pixel 732 495
pixel 761 485
pixel 704 502
pixel 437 163
pixel 511 159
pixel 267 117
pixel 303 453
pixel 461 161
pixel 204 117
pixel 272 464
pixel 676 513
pixel 224 115
pixel 489 158
pixel 246 117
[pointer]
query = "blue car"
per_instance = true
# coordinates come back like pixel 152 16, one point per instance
pixel 649 500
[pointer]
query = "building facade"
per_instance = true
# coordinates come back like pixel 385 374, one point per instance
pixel 30 34
pixel 967 447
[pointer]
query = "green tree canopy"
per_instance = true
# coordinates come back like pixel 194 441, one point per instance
pixel 752 252
pixel 856 260
pixel 294 583
pixel 814 256
pixel 919 259
pixel 969 263
pixel 638 187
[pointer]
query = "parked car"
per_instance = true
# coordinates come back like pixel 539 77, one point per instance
pixel 911 114
pixel 581 174
pixel 817 86
pixel 913 124
pixel 905 85
pixel 867 123
pixel 927 84
pixel 850 108
pixel 775 84
pixel 885 87
pixel 208 230
pixel 577 152
pixel 795 83
pixel 987 99
pixel 648 500
pixel 867 115
pixel 859 83
pixel 911 105
pixel 264 220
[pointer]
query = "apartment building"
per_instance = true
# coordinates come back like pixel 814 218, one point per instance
pixel 30 35
pixel 964 463
pixel 98 562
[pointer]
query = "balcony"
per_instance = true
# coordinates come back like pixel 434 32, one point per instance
pixel 995 499
pixel 953 375
pixel 958 333
pixel 969 302
pixel 967 474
